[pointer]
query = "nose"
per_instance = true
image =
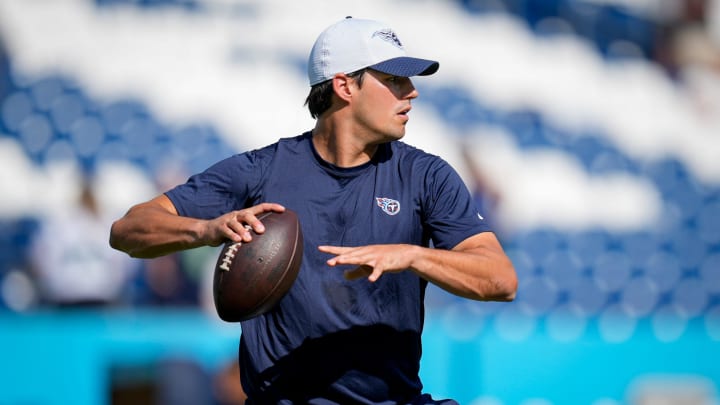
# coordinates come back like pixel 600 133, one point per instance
pixel 409 90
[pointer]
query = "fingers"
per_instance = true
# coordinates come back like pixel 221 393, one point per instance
pixel 237 231
pixel 345 255
pixel 335 250
pixel 237 226
pixel 247 220
pixel 367 258
pixel 266 207
pixel 375 275
pixel 372 274
pixel 363 270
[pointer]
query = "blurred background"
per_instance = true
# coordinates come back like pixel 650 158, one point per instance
pixel 588 131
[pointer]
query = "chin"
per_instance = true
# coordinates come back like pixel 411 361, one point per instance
pixel 394 137
pixel 391 134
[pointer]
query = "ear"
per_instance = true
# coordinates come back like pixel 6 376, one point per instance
pixel 342 86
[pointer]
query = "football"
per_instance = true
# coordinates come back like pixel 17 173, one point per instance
pixel 250 278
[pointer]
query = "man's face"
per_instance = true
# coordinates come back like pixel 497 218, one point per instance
pixel 382 103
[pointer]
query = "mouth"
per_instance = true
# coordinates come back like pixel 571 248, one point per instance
pixel 405 111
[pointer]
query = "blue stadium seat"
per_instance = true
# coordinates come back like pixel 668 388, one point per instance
pixel 639 296
pixel 112 151
pixel 602 25
pixel 563 267
pixel 35 133
pixel 15 109
pixel 587 296
pixel 589 245
pixel 65 110
pixel 60 150
pixel 139 133
pixel 664 270
pixel 538 295
pixel 612 270
pixel 587 148
pixel 15 238
pixel 666 174
pixel 87 135
pixel 639 246
pixel 689 247
pixel 555 137
pixel 709 273
pixel 538 244
pixel 116 114
pixel 523 263
pixel 708 224
pixel 457 107
pixel 690 297
pixel 45 90
pixel 526 126
pixel 610 161
pixel 688 196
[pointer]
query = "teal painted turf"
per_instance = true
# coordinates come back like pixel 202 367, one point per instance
pixel 579 371
pixel 65 358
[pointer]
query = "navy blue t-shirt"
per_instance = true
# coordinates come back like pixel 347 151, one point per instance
pixel 331 340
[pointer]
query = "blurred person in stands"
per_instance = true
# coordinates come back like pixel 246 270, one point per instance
pixel 486 196
pixel 176 279
pixel 685 38
pixel 4 71
pixel 688 47
pixel 370 206
pixel 70 261
pixel 227 389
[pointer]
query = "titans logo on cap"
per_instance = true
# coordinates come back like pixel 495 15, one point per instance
pixel 389 36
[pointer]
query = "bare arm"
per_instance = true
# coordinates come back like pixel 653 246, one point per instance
pixel 154 228
pixel 477 268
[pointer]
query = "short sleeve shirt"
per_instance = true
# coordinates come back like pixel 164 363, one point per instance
pixel 331 340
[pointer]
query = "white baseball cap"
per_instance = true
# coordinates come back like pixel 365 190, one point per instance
pixel 353 44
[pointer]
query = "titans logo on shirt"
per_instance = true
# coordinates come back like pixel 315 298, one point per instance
pixel 388 205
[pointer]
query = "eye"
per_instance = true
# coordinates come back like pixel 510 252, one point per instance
pixel 393 79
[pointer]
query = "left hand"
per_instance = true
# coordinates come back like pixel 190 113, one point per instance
pixel 372 260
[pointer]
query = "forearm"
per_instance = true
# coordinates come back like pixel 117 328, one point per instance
pixel 479 273
pixel 477 268
pixel 152 229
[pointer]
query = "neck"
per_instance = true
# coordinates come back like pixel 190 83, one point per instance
pixel 337 144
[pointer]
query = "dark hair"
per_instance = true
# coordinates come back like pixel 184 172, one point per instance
pixel 320 97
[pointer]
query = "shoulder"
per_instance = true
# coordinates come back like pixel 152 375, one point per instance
pixel 264 155
pixel 289 144
pixel 417 159
pixel 429 172
pixel 405 149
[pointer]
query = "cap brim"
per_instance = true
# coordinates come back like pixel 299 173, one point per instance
pixel 406 66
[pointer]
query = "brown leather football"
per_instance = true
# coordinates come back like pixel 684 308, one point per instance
pixel 250 278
